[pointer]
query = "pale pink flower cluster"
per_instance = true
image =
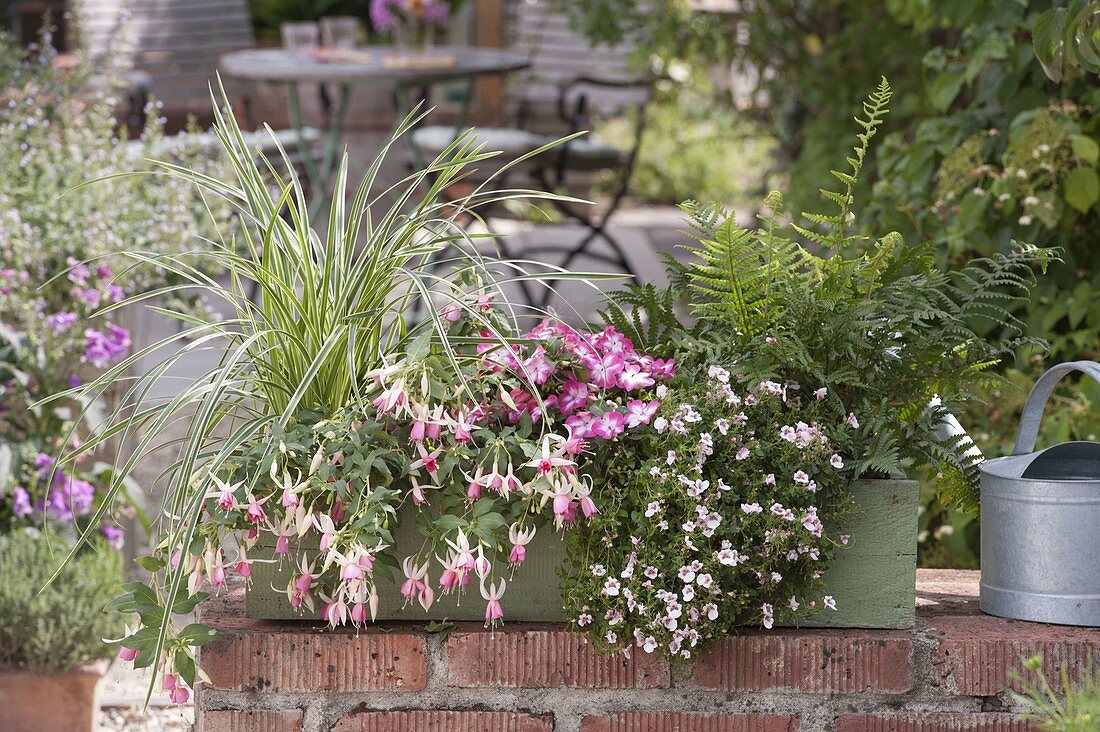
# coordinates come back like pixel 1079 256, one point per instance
pixel 698 510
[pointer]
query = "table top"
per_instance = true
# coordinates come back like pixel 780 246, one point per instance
pixel 377 63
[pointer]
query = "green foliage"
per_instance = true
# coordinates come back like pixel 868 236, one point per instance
pixel 64 625
pixel 1074 707
pixel 887 332
pixel 693 148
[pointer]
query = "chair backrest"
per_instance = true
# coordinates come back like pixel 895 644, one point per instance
pixel 558 56
pixel 176 42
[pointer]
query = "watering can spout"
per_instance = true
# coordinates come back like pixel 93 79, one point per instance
pixel 950 431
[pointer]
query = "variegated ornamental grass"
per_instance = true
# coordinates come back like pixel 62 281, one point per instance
pixel 323 350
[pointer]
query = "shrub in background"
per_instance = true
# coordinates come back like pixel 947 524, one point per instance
pixel 59 283
pixel 63 626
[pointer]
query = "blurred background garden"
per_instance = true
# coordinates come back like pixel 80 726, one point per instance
pixel 993 138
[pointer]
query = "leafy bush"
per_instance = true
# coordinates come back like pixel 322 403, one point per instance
pixel 64 625
pixel 694 150
pixel 59 285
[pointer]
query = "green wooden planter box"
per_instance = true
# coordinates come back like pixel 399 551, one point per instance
pixel 873 579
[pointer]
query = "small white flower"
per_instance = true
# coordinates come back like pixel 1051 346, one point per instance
pixel 652 509
pixel 852 421
pixel 742 454
pixel 704 580
pixel 599 570
pixel 722 425
pixel 829 602
pixel 794 604
pixel 1025 220
pixel 688 593
pixel 711 611
pixel 751 508
pixel 660 424
pixel 820 393
pixel 611 587
pixel 670 458
pixel 686 573
pixel 661 391
pixel 836 461
pixel 801 477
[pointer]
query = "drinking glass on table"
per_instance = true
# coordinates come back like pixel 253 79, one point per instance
pixel 301 38
pixel 340 31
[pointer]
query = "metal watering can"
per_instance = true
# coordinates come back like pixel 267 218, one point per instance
pixel 1041 522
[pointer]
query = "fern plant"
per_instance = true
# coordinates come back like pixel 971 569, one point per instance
pixel 889 335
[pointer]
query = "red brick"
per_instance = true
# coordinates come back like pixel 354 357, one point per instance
pixel 259 721
pixel 810 661
pixel 312 661
pixel 688 722
pixel 978 654
pixel 443 721
pixel 547 658
pixel 934 723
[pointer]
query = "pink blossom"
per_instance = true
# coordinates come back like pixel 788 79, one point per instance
pixel 604 373
pixel 634 378
pixel 639 412
pixel 518 554
pixel 580 424
pixel 127 654
pixel 609 425
pixel 574 395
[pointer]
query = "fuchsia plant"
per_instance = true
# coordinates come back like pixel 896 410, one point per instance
pixel 482 458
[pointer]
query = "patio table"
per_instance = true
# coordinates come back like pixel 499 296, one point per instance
pixel 402 69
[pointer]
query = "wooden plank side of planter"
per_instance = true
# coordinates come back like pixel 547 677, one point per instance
pixel 873 579
pixel 533 593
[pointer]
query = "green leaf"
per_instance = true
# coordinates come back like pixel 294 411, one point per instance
pixel 945 88
pixel 1086 148
pixel 150 564
pixel 1081 188
pixel 185 667
pixel 1048 39
pixel 197 634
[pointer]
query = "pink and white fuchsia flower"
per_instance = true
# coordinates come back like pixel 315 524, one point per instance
pixel 519 538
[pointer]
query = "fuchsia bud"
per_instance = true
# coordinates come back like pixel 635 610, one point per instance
pixel 282 544
pixel 473 491
pixel 337 513
pixel 127 654
pixel 518 554
pixel 217 574
pixel 179 695
pixel 169 682
pixel 416 432
pixel 359 612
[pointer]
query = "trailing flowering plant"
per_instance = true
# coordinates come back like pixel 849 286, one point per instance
pixel 713 517
pixel 482 458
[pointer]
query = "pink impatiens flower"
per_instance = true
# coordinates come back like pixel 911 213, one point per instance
pixel 604 372
pixel 632 377
pixel 574 395
pixel 639 412
pixel 609 425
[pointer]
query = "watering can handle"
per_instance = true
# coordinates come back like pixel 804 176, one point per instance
pixel 1037 401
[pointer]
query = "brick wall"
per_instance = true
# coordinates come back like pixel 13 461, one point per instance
pixel 952 674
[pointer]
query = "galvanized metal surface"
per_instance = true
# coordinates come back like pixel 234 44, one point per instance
pixel 1040 544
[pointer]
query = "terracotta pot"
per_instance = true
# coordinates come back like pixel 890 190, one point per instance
pixel 67 702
